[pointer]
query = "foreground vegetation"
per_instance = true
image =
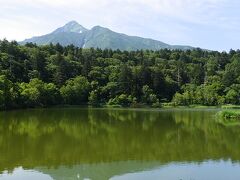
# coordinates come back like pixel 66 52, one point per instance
pixel 229 114
pixel 229 117
pixel 32 76
pixel 230 106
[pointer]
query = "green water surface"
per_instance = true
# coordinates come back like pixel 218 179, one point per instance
pixel 99 144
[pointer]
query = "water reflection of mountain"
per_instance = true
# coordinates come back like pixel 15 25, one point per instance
pixel 68 137
pixel 98 171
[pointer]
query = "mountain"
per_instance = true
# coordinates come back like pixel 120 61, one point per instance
pixel 72 26
pixel 99 37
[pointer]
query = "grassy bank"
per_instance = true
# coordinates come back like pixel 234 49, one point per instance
pixel 196 106
pixel 230 106
pixel 229 114
pixel 229 117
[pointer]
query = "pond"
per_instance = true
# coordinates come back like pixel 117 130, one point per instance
pixel 117 144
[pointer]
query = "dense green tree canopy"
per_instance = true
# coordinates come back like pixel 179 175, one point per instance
pixel 33 76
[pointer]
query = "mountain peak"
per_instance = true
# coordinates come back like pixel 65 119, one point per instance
pixel 72 26
pixel 98 37
pixel 98 27
pixel 72 22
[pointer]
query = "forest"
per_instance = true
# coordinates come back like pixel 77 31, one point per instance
pixel 42 76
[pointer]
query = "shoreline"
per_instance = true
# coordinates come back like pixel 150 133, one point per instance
pixel 121 107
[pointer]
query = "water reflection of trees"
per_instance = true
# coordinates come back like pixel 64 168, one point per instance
pixel 75 136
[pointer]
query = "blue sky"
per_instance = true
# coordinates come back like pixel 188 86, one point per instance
pixel 210 24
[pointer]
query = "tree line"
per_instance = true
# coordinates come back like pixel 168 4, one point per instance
pixel 32 76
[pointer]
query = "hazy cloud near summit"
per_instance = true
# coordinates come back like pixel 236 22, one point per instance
pixel 190 22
